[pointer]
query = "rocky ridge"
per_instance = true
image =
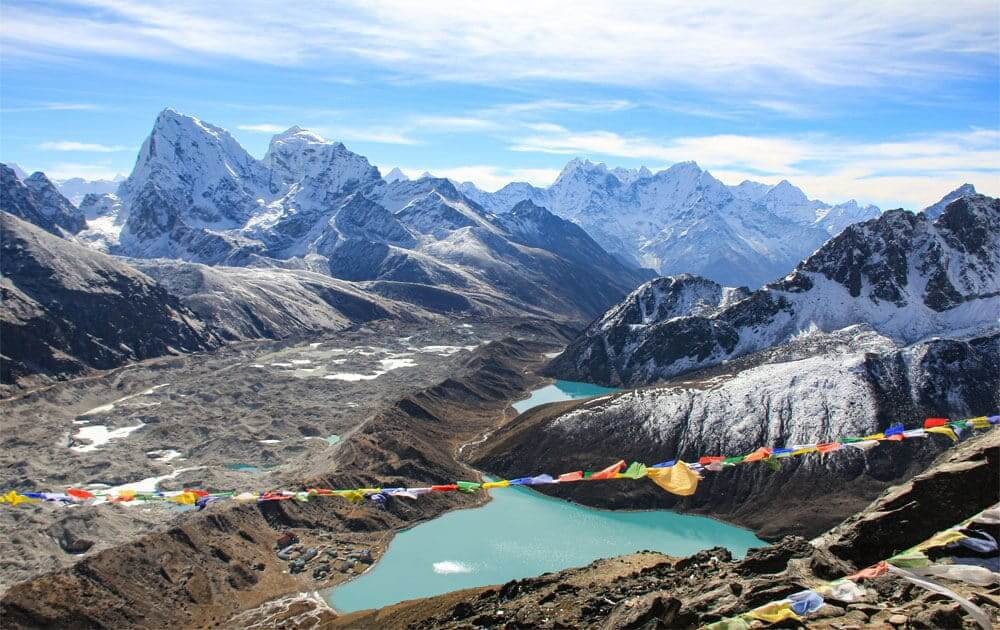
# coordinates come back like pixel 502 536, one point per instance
pixel 903 274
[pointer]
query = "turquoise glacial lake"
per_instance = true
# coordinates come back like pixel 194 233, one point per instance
pixel 561 390
pixel 522 533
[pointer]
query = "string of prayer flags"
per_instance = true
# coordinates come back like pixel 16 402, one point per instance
pixel 846 589
pixel 673 476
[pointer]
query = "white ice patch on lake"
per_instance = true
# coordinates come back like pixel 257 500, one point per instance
pixel 445 351
pixel 99 435
pixel 447 567
pixel 392 363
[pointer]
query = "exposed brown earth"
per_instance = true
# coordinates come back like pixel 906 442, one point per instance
pixel 212 564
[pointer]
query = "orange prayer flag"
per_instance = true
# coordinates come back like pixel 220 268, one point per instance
pixel 609 472
pixel 868 573
pixel 758 455
pixel 570 476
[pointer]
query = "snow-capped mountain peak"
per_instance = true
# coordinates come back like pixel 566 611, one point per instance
pixel 298 154
pixel 395 175
pixel 935 210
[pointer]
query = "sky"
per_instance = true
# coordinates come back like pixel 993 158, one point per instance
pixel 893 103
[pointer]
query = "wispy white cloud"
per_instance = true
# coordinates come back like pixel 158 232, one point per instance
pixel 553 105
pixel 486 177
pixel 86 170
pixel 375 135
pixel 91 147
pixel 915 171
pixel 263 128
pixel 454 123
pixel 344 134
pixel 711 43
pixel 53 107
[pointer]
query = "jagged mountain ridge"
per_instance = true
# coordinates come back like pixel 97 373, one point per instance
pixel 37 201
pixel 904 275
pixel 196 195
pixel 68 309
pixel 684 220
pixel 77 188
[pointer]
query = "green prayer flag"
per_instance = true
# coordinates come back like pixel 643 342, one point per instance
pixel 467 486
pixel 635 470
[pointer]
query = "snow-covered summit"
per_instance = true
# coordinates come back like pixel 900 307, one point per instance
pixel 682 219
pixel 395 175
pixel 934 211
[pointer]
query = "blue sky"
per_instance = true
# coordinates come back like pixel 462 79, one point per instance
pixel 891 102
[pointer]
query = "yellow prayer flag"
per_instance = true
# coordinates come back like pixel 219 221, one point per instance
pixel 496 484
pixel 184 498
pixel 774 612
pixel 941 539
pixel 678 479
pixel 14 498
pixel 979 422
pixel 943 431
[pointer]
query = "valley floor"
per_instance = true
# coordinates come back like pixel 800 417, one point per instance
pixel 250 416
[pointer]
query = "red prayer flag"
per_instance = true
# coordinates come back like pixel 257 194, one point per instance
pixel 710 459
pixel 609 472
pixel 197 493
pixel 935 422
pixel 572 476
pixel 79 494
pixel 451 487
pixel 828 447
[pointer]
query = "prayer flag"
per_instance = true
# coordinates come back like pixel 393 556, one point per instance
pixel 679 479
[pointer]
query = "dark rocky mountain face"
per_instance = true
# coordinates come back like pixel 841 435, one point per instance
pixel 37 201
pixel 819 388
pixel 196 195
pixel 903 274
pixel 68 309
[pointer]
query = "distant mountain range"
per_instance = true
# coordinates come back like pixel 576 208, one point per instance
pixel 76 188
pixel 318 224
pixel 904 274
pixel 683 220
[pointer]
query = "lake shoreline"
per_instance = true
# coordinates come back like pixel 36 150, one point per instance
pixel 545 391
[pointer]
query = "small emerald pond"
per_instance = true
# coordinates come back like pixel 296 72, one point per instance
pixel 521 533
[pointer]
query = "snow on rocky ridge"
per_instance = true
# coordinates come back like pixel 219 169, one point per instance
pixel 684 220
pixel 906 276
